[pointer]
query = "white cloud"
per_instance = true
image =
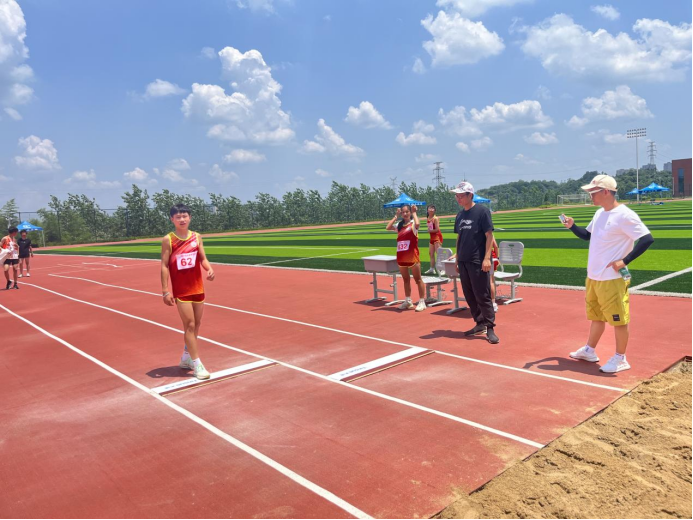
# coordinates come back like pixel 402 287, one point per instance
pixel 222 176
pixel 366 116
pixel 462 147
pixel 543 92
pixel 541 138
pixel 459 41
pixel 474 8
pixel 613 104
pixel 526 160
pixel 499 116
pixel 252 113
pixel 418 136
pixel 13 114
pixel 244 156
pixel 139 176
pixel 482 144
pixel 266 6
pixel 608 137
pixel 322 173
pixel 37 154
pixel 14 73
pixel 418 67
pixel 86 179
pixel 208 53
pixel 173 175
pixel 327 140
pixel 160 88
pixel 661 53
pixel 426 158
pixel 607 11
pixel 178 164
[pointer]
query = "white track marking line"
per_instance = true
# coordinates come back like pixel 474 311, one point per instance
pixel 185 383
pixel 311 373
pixel 319 256
pixel 311 486
pixel 376 363
pixel 662 278
pixel 373 338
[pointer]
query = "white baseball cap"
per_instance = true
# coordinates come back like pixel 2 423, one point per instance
pixel 601 182
pixel 463 187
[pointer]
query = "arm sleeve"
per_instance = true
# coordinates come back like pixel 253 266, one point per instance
pixel 640 247
pixel 581 232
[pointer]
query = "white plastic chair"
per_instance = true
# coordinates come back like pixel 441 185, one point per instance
pixel 509 253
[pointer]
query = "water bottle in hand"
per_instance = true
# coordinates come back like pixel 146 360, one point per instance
pixel 625 273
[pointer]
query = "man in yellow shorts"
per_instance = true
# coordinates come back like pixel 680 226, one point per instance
pixel 612 234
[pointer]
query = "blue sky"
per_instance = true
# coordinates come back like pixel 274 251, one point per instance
pixel 245 96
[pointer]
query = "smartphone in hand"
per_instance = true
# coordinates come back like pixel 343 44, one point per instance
pixel 561 217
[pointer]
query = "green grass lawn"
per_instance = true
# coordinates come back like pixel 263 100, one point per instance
pixel 552 253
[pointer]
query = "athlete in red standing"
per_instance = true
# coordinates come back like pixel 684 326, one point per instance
pixel 182 255
pixel 408 254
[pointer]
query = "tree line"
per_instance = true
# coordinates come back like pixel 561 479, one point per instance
pixel 79 219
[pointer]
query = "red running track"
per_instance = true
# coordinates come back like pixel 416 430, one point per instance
pixel 453 423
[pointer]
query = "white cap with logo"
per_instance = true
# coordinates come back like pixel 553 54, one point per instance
pixel 463 187
pixel 601 182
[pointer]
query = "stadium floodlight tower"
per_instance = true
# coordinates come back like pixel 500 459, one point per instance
pixel 637 132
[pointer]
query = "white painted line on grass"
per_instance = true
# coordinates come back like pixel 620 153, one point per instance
pixel 185 383
pixel 349 373
pixel 309 372
pixel 319 256
pixel 662 278
pixel 311 486
pixel 381 340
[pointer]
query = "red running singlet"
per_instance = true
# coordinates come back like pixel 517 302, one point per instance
pixel 407 246
pixel 438 235
pixel 184 266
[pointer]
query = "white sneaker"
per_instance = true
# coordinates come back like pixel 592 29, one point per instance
pixel 582 353
pixel 615 364
pixel 421 306
pixel 28 275
pixel 200 371
pixel 495 307
pixel 187 363
pixel 430 271
pixel 20 276
pixel 406 304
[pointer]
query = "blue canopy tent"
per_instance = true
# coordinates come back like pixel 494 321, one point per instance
pixel 402 200
pixel 28 226
pixel 634 191
pixel 479 198
pixel 653 187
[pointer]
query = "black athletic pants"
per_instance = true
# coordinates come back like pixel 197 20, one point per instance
pixel 477 291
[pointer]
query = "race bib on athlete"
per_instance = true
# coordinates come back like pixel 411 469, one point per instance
pixel 186 260
pixel 430 226
pixel 403 245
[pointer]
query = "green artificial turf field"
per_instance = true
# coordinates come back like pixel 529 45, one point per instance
pixel 553 255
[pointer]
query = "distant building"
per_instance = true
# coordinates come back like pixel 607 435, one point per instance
pixel 681 177
pixel 667 167
pixel 648 166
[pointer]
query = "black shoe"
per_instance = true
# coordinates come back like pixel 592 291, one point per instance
pixel 491 337
pixel 7 287
pixel 15 286
pixel 478 329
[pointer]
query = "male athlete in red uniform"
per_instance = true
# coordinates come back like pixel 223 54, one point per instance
pixel 182 255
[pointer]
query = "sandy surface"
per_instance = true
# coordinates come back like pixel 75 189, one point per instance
pixel 633 460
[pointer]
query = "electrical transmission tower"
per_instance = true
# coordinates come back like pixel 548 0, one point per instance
pixel 652 152
pixel 437 174
pixel 393 183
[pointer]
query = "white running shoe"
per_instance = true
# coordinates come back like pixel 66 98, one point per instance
pixel 582 353
pixel 431 271
pixel 187 363
pixel 28 275
pixel 421 306
pixel 406 304
pixel 201 371
pixel 20 276
pixel 495 307
pixel 615 364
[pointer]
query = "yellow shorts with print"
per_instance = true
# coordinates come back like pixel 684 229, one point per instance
pixel 608 301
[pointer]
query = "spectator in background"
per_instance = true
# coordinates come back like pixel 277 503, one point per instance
pixel 436 240
pixel 25 252
pixel 9 243
pixel 474 229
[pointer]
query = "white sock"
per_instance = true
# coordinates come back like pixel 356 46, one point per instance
pixel 421 300
pixel 196 362
pixel 186 355
pixel 408 298
pixel 622 356
pixel 589 349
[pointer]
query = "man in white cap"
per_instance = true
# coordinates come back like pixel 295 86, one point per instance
pixel 474 230
pixel 612 234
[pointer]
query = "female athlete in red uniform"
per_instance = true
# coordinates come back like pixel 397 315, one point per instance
pixel 408 253
pixel 182 255
pixel 436 241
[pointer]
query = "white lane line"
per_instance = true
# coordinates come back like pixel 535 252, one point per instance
pixel 349 373
pixel 319 256
pixel 662 278
pixel 193 381
pixel 99 263
pixel 373 338
pixel 311 486
pixel 311 373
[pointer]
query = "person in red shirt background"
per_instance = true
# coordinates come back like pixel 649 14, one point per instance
pixel 408 253
pixel 9 243
pixel 436 241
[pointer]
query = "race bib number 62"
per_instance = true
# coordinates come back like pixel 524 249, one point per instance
pixel 186 260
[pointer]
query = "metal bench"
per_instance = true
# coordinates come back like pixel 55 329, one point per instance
pixel 383 264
